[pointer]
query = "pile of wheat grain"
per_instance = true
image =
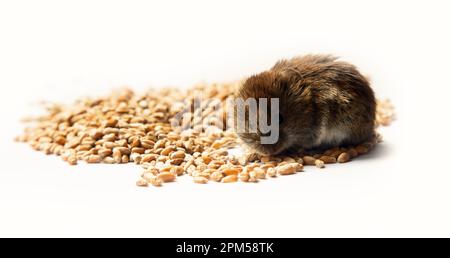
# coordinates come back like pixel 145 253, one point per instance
pixel 125 127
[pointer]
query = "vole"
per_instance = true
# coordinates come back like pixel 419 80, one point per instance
pixel 323 102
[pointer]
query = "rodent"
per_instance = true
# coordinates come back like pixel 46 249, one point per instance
pixel 323 102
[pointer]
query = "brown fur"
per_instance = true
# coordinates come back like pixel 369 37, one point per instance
pixel 314 91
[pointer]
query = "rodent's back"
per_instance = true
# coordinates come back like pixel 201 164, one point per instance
pixel 336 95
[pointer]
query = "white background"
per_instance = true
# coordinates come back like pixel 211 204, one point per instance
pixel 62 50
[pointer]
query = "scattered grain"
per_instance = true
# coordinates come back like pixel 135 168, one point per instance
pixel 124 127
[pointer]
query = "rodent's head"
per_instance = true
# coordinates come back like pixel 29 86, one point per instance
pixel 268 85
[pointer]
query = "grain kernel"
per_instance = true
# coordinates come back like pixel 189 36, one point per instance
pixel 176 161
pixel 156 181
pixel 149 158
pixel 142 183
pixel 138 150
pixel 160 144
pixel 200 180
pixel 252 166
pixel 230 179
pixel 244 177
pixel 209 171
pixel 108 160
pixel 149 175
pixel 287 169
pixel 206 159
pixel 289 160
pixel 122 108
pixel 165 168
pixel 73 143
pixel 267 166
pixel 308 160
pixel 179 171
pixel 104 152
pixel 117 155
pixel 361 150
pixel 344 157
pixel 230 171
pixel 319 163
pixel 72 160
pixel 110 137
pixel 166 177
pixel 168 150
pixel 328 159
pixel 94 159
pixel 336 153
pixel 271 172
pixel 260 174
pixel 136 158
pixel 109 145
pixel 178 155
pixel 353 153
pixel 61 140
pixel 216 176
pixel 252 177
pixel 111 122
pixel 283 163
pixel 147 144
